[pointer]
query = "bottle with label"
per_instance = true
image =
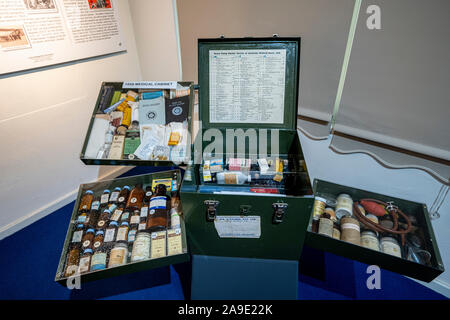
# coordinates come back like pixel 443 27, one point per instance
pixel 92 218
pixel 73 259
pixel 136 198
pixel 86 201
pixel 159 209
pixel 110 233
pixel 88 239
pixel 125 217
pixel 85 261
pixel 390 245
pixel 232 177
pixel 132 233
pixel 99 258
pixel 114 195
pixel 104 198
pixel 118 255
pixel 135 218
pixel 141 246
pixel 98 240
pixel 326 225
pixel 81 219
pixel 123 195
pixel 122 232
pixel 77 234
pixel 102 221
pixel 116 214
pixel 175 221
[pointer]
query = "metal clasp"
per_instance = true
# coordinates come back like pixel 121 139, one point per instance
pixel 279 211
pixel 391 207
pixel 211 208
pixel 245 209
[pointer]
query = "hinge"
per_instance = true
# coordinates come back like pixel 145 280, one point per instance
pixel 211 208
pixel 279 211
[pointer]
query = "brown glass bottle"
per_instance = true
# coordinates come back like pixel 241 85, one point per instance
pixel 86 201
pixel 136 198
pixel 73 259
pixel 102 221
pixel 123 196
pixel 159 208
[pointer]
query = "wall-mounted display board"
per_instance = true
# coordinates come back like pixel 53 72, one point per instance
pixel 37 33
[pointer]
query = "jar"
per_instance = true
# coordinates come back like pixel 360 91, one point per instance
pixel 85 261
pixel 331 213
pixel 77 234
pixel 88 238
pixel 104 198
pixel 122 232
pixel 73 259
pixel 369 240
pixel 103 219
pixel 98 240
pixel 114 195
pixel 336 231
pixel 86 201
pixel 390 246
pixel 350 230
pixel 318 208
pixel 174 219
pixel 344 206
pixel 118 255
pixel 98 261
pixel 372 218
pixel 110 233
pixel 141 246
pixel 326 225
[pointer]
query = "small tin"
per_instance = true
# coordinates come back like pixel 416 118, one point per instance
pixel 344 206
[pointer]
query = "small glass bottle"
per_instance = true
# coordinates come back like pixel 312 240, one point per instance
pixel 135 218
pixel 102 221
pixel 85 261
pixel 132 233
pixel 98 240
pixel 92 218
pixel 81 219
pixel 104 198
pixel 88 239
pixel 73 259
pixel 110 233
pixel 86 201
pixel 125 217
pixel 148 194
pixel 159 209
pixel 123 196
pixel 77 234
pixel 116 214
pixel 325 225
pixel 136 198
pixel 175 221
pixel 122 232
pixel 99 258
pixel 114 195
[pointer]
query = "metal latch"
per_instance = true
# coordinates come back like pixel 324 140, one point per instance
pixel 211 208
pixel 245 209
pixel 279 211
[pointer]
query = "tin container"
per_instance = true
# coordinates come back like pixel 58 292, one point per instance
pixel 350 230
pixel 390 246
pixel 326 226
pixel 344 206
pixel 369 240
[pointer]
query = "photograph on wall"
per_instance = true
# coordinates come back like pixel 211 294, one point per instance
pixel 40 6
pixel 13 38
pixel 99 4
pixel 39 33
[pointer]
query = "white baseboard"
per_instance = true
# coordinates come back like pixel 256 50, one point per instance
pixel 34 216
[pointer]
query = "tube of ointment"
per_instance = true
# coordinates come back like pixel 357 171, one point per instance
pixel 114 106
pixel 151 95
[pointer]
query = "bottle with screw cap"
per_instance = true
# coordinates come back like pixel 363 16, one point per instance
pixel 86 201
pixel 114 195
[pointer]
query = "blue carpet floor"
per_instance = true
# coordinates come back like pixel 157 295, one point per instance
pixel 30 258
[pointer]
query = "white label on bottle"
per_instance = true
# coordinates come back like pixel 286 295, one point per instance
pixel 122 234
pixel 116 215
pixel 104 198
pixel 95 205
pixel 175 220
pixel 77 235
pixel 148 193
pixel 81 219
pixel 158 202
pixel 142 226
pixel 144 212
pixel 135 219
pixel 101 223
pixel 86 243
pixel 109 235
pixel 125 216
pixel 97 244
pixel 99 259
pixel 114 196
pixel 131 235
pixel 133 200
pixel 238 227
pixel 84 264
pixel 121 199
pixel 152 211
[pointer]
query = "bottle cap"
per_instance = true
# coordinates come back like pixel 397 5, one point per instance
pixel 124 223
pixel 126 187
pixel 107 211
pixel 87 251
pixel 113 223
pixel 80 225
pixel 89 192
pixel 106 191
pixel 90 230
pixel 117 189
pixel 99 232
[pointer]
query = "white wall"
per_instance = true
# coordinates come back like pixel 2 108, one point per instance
pixel 44 116
pixel 363 172
pixel 157 43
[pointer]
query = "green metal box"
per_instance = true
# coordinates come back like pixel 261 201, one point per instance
pixel 129 267
pixel 135 161
pixel 248 89
pixel 421 271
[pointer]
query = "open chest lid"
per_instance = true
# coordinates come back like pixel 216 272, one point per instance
pixel 248 82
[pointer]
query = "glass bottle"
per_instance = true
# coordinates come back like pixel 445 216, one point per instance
pixel 104 198
pixel 98 240
pixel 136 198
pixel 125 217
pixel 135 218
pixel 92 218
pixel 159 208
pixel 86 201
pixel 110 233
pixel 85 261
pixel 77 234
pixel 73 259
pixel 122 232
pixel 132 233
pixel 114 195
pixel 148 194
pixel 88 239
pixel 99 258
pixel 123 196
pixel 116 214
pixel 102 221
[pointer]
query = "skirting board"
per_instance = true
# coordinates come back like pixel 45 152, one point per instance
pixel 34 216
